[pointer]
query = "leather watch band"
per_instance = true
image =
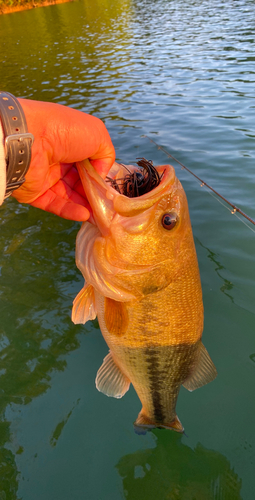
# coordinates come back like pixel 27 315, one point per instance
pixel 18 142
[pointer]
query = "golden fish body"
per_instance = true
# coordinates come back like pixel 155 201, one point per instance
pixel 142 281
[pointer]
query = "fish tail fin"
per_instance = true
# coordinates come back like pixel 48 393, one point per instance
pixel 144 424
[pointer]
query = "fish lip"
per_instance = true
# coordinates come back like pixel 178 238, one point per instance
pixel 100 196
pixel 105 201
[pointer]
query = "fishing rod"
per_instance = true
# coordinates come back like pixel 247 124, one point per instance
pixel 203 183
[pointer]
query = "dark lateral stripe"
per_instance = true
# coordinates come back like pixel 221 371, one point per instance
pixel 172 363
pixel 154 373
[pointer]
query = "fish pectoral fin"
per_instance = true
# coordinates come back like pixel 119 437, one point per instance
pixel 203 373
pixel 110 380
pixel 116 316
pixel 84 306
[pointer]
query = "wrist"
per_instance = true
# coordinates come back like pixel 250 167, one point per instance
pixel 2 165
pixel 17 141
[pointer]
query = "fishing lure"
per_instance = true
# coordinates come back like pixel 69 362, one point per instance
pixel 136 184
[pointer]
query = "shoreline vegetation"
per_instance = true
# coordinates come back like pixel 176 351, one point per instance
pixel 9 6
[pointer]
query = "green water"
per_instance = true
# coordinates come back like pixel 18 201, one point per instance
pixel 183 73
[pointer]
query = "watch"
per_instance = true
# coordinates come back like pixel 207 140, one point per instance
pixel 18 141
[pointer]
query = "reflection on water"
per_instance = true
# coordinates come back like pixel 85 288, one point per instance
pixel 83 49
pixel 35 330
pixel 58 430
pixel 173 471
pixel 213 257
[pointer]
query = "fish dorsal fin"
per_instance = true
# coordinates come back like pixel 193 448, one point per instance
pixel 203 373
pixel 110 380
pixel 84 306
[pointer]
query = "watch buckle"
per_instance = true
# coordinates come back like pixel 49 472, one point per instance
pixel 18 137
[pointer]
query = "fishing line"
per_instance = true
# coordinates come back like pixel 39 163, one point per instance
pixel 231 211
pixel 203 183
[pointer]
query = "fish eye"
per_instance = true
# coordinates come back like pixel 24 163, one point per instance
pixel 169 220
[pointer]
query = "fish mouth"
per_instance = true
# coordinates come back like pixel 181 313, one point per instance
pixel 105 201
pixel 136 182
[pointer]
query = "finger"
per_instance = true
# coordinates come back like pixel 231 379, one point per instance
pixel 66 134
pixel 71 178
pixel 102 166
pixel 63 190
pixel 52 202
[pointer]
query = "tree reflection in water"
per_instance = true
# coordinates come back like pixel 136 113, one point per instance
pixel 38 275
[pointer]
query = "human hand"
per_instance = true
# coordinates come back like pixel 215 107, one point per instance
pixel 63 136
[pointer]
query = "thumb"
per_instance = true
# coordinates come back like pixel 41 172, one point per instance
pixel 104 158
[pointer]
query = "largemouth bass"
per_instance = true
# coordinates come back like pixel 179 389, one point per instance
pixel 142 281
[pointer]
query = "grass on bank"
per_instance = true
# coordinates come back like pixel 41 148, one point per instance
pixel 13 3
pixel 18 3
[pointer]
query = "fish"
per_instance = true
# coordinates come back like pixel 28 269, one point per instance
pixel 142 281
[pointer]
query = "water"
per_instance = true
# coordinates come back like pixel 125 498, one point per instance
pixel 183 73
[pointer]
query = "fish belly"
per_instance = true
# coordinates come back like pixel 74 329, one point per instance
pixel 156 371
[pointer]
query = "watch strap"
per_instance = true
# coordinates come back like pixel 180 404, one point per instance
pixel 18 142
